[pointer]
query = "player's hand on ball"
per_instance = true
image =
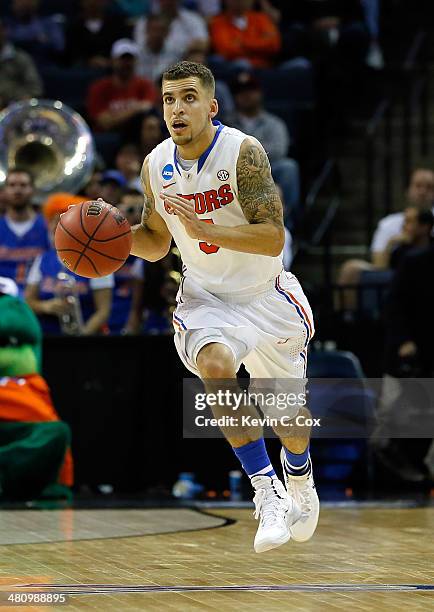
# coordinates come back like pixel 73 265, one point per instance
pixel 184 210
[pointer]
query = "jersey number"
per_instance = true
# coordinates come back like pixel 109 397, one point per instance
pixel 205 246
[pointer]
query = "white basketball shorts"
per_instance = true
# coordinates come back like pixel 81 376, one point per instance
pixel 268 331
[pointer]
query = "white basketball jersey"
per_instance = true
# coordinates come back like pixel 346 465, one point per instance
pixel 212 185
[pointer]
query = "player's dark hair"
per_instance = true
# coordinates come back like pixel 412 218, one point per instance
pixel 425 217
pixel 183 70
pixel 18 170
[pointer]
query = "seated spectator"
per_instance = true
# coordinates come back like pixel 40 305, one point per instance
pixel 35 455
pixel 131 205
pixel 112 186
pixel 271 131
pixel 408 353
pixel 108 185
pixel 92 189
pixel 155 54
pixel 41 37
pixel 151 133
pixel 246 36
pixel 47 294
pixel 159 299
pixel 23 233
pixel 129 163
pixel 127 308
pixel 147 131
pixel 222 91
pixel 317 28
pixel 113 101
pixel 91 35
pixel 420 195
pixel 416 234
pixel 186 29
pixel 19 78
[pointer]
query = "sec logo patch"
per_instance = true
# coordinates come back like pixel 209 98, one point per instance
pixel 223 175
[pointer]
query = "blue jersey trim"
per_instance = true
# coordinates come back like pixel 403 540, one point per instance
pixel 205 154
pixel 202 159
pixel 175 160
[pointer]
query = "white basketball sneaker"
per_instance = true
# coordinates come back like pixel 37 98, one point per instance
pixel 302 490
pixel 276 512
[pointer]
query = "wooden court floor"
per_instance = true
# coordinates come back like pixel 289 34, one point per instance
pixel 360 559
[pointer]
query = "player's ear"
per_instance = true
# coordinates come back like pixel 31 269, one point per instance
pixel 214 109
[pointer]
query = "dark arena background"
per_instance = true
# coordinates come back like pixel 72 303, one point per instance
pixel 107 499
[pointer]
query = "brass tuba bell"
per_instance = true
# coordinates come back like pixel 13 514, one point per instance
pixel 50 140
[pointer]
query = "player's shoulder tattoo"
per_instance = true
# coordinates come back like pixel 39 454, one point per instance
pixel 148 205
pixel 257 193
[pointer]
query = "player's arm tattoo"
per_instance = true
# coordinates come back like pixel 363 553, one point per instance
pixel 257 194
pixel 149 203
pixel 148 208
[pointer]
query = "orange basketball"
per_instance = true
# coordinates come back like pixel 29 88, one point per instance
pixel 93 239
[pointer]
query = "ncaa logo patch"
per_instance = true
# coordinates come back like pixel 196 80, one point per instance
pixel 167 172
pixel 223 175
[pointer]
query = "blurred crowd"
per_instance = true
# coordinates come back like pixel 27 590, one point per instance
pixel 122 48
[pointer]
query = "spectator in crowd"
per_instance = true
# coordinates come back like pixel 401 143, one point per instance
pixel 112 185
pixel 91 35
pixel 155 55
pixel 186 28
pixel 246 36
pixel 271 131
pixel 46 292
pixel 129 162
pixel 159 297
pixel 147 132
pixel 19 78
pixel 407 336
pixel 420 194
pixel 316 29
pixel 416 234
pixel 41 37
pixel 222 91
pixel 92 189
pixel 409 342
pixel 23 233
pixel 151 133
pixel 35 458
pixel 114 100
pixel 127 308
pixel 131 205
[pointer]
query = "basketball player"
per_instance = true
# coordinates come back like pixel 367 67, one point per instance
pixel 210 187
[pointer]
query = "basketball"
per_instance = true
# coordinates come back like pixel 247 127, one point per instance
pixel 93 239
